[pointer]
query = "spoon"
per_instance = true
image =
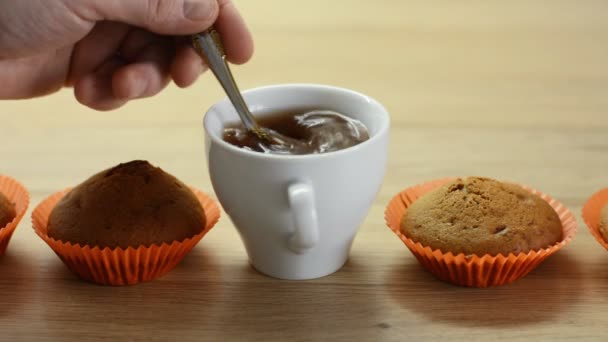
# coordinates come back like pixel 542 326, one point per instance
pixel 209 46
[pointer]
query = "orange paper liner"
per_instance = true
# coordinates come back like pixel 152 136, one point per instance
pixel 592 211
pixel 473 270
pixel 118 266
pixel 17 194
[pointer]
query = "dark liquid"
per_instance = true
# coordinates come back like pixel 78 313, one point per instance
pixel 317 131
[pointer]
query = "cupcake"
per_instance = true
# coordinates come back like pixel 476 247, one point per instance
pixel 142 218
pixel 595 215
pixel 482 216
pixel 603 224
pixel 14 200
pixel 478 231
pixel 132 204
pixel 7 211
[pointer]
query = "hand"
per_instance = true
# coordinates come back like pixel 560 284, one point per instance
pixel 109 51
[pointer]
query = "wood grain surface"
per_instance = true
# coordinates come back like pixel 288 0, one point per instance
pixel 516 90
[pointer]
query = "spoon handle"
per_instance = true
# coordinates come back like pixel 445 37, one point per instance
pixel 209 46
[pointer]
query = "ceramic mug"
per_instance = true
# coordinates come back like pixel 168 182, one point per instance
pixel 298 214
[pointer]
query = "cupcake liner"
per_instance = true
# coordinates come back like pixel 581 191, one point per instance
pixel 591 213
pixel 118 266
pixel 16 193
pixel 473 270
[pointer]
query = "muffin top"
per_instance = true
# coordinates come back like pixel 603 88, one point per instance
pixel 7 211
pixel 479 216
pixel 132 204
pixel 603 224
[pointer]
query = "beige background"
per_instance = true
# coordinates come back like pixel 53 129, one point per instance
pixel 510 89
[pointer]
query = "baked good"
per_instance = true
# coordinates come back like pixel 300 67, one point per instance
pixel 603 224
pixel 480 216
pixel 7 211
pixel 132 204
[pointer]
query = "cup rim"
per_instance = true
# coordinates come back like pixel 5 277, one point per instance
pixel 382 131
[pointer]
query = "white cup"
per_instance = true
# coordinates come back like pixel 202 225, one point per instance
pixel 298 215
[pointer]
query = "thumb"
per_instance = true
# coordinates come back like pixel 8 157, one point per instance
pixel 168 17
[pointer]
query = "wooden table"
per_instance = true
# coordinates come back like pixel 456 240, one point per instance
pixel 515 90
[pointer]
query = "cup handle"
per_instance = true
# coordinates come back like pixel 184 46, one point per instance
pixel 304 213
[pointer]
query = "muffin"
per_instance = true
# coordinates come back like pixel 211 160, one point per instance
pixel 14 200
pixel 595 215
pixel 603 223
pixel 132 204
pixel 480 216
pixel 7 211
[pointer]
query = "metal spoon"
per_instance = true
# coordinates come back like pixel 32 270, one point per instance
pixel 209 46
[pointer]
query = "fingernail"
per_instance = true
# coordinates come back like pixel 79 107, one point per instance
pixel 137 89
pixel 200 9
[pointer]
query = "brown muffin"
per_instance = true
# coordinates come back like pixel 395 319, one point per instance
pixel 482 216
pixel 132 204
pixel 7 211
pixel 603 224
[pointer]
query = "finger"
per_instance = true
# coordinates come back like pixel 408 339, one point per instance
pixel 169 17
pixel 136 41
pixel 236 37
pixel 147 76
pixel 95 89
pixel 187 66
pixel 94 49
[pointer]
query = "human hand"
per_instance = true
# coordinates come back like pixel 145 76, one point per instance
pixel 109 51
